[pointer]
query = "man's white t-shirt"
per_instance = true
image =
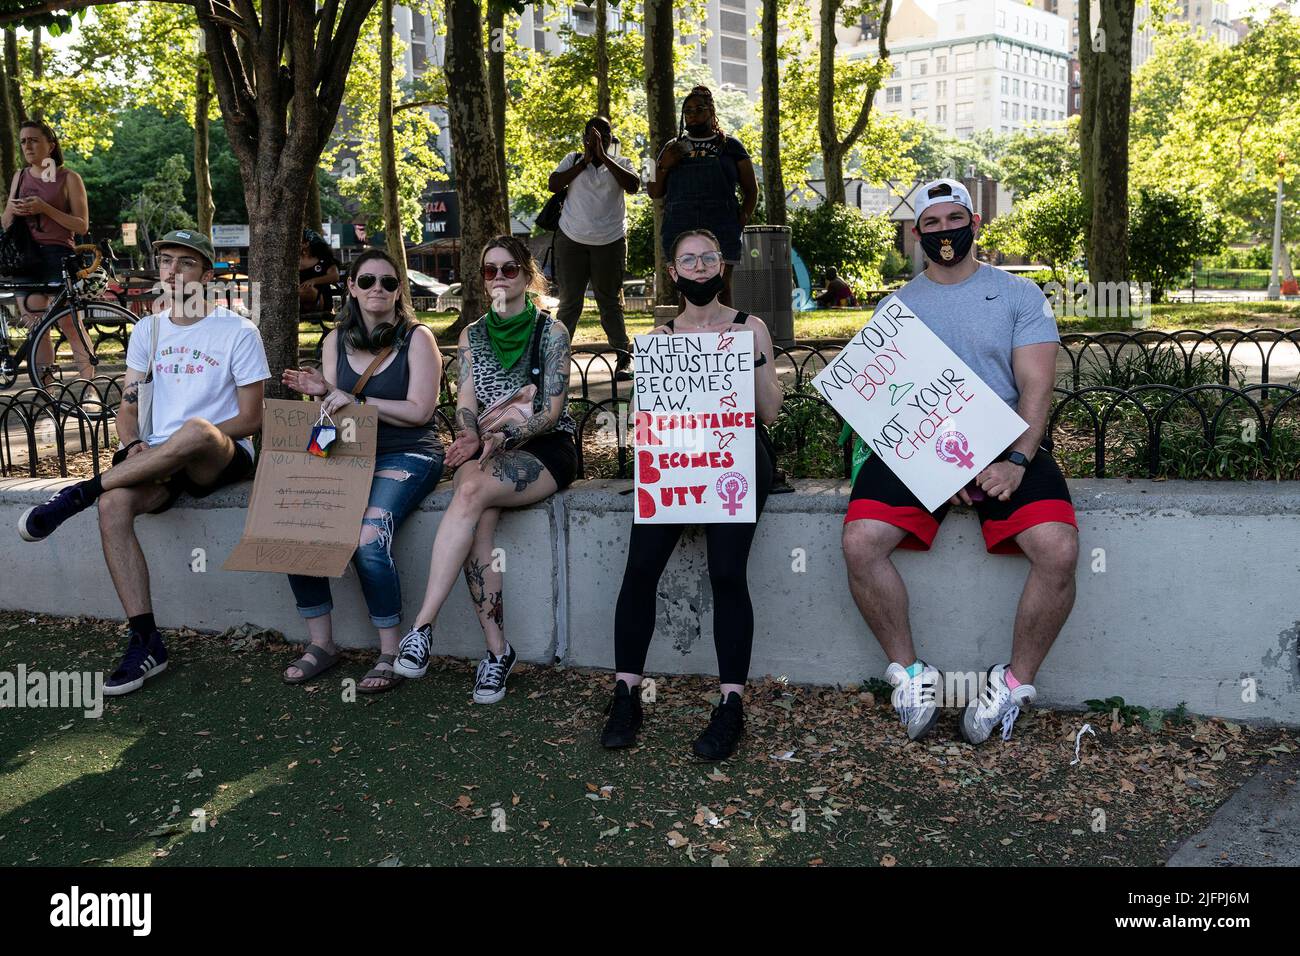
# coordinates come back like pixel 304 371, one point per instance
pixel 197 368
pixel 594 211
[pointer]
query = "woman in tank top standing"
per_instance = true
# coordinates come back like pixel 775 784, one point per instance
pixel 403 389
pixel 696 268
pixel 52 199
pixel 518 464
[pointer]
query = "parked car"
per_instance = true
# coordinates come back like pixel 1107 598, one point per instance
pixel 424 285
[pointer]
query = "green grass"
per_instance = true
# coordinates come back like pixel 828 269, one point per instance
pixel 297 775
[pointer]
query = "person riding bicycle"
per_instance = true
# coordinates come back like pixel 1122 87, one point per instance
pixel 208 371
pixel 51 199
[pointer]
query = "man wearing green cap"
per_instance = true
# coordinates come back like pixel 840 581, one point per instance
pixel 207 368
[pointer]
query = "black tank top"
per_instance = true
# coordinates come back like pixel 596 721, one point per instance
pixel 392 383
pixel 738 320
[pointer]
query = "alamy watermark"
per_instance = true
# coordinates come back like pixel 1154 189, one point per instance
pixel 79 690
pixel 1118 300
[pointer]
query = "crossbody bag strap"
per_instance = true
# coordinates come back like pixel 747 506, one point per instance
pixel 535 366
pixel 360 387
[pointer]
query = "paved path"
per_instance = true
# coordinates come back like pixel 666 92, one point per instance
pixel 1259 825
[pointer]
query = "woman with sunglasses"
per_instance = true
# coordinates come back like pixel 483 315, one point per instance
pixel 697 174
pixel 696 268
pixel 379 336
pixel 529 458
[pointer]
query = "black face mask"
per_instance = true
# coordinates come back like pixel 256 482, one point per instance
pixel 948 247
pixel 700 130
pixel 700 293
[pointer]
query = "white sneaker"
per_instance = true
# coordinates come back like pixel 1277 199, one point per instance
pixel 997 703
pixel 413 653
pixel 915 698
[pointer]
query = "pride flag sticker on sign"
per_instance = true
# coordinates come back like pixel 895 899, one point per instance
pixel 933 421
pixel 694 427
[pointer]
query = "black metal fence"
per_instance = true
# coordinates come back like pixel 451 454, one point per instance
pixel 1141 404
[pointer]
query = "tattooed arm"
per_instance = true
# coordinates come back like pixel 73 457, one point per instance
pixel 128 413
pixel 555 388
pixel 467 441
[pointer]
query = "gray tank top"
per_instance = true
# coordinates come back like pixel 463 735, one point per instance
pixel 391 383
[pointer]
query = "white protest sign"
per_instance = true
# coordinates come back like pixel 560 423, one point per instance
pixel 918 406
pixel 695 428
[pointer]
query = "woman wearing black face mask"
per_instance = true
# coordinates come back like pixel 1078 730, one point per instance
pixel 696 271
pixel 697 174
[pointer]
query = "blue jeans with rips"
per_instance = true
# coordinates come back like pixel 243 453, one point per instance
pixel 395 498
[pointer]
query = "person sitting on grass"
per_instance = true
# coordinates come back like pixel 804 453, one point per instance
pixel 837 291
pixel 208 369
pixel 402 387
pixel 518 464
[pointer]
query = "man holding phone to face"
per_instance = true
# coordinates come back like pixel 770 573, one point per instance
pixel 591 243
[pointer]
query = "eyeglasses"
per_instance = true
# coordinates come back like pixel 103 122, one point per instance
pixel 172 263
pixel 509 270
pixel 709 259
pixel 696 110
pixel 367 279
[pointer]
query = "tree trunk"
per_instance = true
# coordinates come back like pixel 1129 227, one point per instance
pixel 393 237
pixel 497 89
pixel 827 134
pixel 38 68
pixel 276 158
pixel 835 149
pixel 773 180
pixel 14 71
pixel 478 177
pixel 311 217
pixel 602 58
pixel 1113 76
pixel 658 59
pixel 1087 112
pixel 8 130
pixel 204 207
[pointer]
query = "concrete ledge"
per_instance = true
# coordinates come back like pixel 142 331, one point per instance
pixel 1196 597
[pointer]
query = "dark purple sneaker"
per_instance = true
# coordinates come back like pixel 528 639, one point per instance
pixel 144 658
pixel 39 521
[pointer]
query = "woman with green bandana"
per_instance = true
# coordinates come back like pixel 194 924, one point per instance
pixel 516 358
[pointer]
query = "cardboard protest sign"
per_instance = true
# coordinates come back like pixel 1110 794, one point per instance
pixel 918 406
pixel 304 516
pixel 694 432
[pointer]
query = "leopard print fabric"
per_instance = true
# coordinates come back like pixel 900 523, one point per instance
pixel 492 382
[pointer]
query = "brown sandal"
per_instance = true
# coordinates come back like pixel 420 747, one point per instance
pixel 315 661
pixel 392 677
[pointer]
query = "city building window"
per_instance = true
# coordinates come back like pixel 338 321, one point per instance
pixel 941 64
pixel 941 114
pixel 897 72
pixel 920 113
pixel 1015 111
pixel 965 132
pixel 919 68
pixel 918 91
pixel 965 61
pixel 965 111
pixel 735 73
pixel 1006 86
pixel 1015 87
pixel 965 86
pixel 732 23
pixel 894 94
pixel 1015 63
pixel 941 89
pixel 734 48
pixel 1006 109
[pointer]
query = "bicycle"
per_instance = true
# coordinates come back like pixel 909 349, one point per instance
pixel 76 296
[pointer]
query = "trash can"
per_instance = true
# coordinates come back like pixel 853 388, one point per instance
pixel 763 282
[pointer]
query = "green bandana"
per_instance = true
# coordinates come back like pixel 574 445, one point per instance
pixel 509 337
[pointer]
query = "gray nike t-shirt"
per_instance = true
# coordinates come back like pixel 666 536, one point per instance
pixel 983 319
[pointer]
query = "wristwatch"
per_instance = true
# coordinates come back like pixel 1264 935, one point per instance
pixel 1016 458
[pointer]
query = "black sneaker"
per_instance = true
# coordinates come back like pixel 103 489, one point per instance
pixel 719 740
pixel 490 681
pixel 144 658
pixel 624 718
pixel 623 373
pixel 39 521
pixel 413 653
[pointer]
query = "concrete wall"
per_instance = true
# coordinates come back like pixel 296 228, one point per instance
pixel 1198 592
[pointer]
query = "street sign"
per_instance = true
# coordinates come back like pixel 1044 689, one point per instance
pixel 230 237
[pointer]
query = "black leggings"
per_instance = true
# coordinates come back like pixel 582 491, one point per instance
pixel 648 551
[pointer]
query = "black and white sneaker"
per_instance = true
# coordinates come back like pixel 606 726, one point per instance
pixel 413 653
pixel 144 658
pixel 490 681
pixel 39 521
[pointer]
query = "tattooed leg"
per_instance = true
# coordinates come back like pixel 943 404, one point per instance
pixel 483 575
pixel 520 467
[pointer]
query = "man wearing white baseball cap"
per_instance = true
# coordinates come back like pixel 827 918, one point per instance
pixel 1002 326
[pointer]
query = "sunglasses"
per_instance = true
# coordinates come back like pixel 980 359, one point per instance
pixel 510 270
pixel 367 279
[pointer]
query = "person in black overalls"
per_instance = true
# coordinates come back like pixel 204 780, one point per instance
pixel 697 174
pixel 696 267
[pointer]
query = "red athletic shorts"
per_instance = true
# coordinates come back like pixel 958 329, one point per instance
pixel 1041 497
